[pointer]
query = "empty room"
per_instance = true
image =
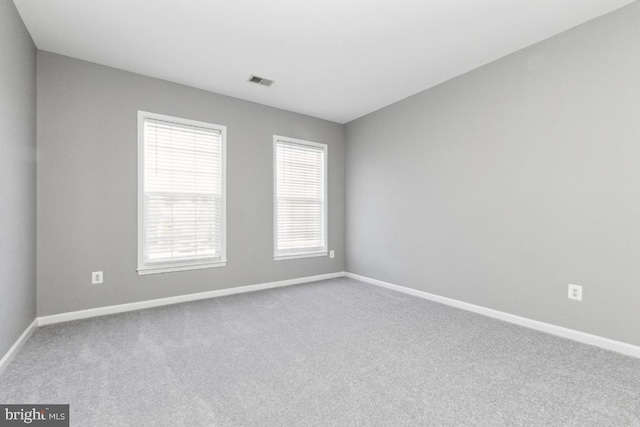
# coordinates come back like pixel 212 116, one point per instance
pixel 310 213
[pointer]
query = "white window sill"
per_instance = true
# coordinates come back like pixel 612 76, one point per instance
pixel 180 267
pixel 296 256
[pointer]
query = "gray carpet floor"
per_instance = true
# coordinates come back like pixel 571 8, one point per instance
pixel 336 352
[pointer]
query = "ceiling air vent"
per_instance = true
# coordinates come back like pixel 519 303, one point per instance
pixel 261 81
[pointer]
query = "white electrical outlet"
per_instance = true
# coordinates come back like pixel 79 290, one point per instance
pixel 332 254
pixel 575 292
pixel 96 277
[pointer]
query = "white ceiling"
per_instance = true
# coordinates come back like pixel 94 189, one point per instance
pixel 333 59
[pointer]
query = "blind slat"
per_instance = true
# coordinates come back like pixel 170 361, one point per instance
pixel 183 192
pixel 300 197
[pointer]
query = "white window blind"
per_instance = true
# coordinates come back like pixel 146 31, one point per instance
pixel 182 218
pixel 300 198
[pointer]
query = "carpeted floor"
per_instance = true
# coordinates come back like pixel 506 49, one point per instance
pixel 336 352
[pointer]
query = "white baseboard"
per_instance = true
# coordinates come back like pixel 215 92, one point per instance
pixel 595 340
pixel 8 357
pixel 121 308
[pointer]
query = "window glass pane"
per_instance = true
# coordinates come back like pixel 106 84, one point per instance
pixel 182 192
pixel 300 198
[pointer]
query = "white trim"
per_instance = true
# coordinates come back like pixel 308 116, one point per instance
pixel 8 357
pixel 121 308
pixel 221 261
pixel 583 337
pixel 280 256
pixel 300 255
pixel 178 267
pixel 595 340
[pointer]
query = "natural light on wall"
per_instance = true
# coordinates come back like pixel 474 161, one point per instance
pixel 300 198
pixel 182 194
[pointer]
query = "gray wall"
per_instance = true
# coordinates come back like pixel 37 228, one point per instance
pixel 504 185
pixel 87 186
pixel 17 177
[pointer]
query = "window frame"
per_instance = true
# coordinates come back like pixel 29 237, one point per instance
pixel 183 265
pixel 324 250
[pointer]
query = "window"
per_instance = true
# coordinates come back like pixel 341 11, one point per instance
pixel 300 198
pixel 181 194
